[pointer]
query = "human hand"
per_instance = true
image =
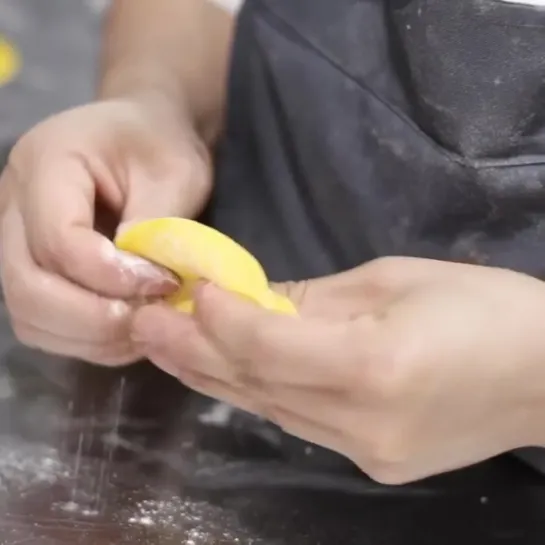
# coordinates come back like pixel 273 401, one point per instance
pixel 409 367
pixel 70 182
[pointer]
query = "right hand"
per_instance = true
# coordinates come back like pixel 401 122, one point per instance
pixel 67 290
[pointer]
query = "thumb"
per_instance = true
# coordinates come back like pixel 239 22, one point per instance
pixel 62 239
pixel 336 296
pixel 345 295
pixel 181 191
pixel 367 288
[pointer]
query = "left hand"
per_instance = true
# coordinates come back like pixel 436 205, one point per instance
pixel 409 367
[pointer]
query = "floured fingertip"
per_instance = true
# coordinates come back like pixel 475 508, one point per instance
pixel 136 267
pixel 118 310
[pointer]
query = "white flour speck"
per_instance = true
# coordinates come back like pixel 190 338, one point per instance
pixel 25 465
pixel 199 522
pixel 143 521
pixel 75 508
pixel 218 415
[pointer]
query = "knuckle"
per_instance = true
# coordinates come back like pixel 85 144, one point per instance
pixel 188 167
pixel 50 254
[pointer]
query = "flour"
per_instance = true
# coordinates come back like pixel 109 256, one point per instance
pixel 25 465
pixel 75 509
pixel 218 415
pixel 199 522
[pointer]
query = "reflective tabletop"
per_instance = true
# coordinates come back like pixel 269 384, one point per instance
pixel 95 456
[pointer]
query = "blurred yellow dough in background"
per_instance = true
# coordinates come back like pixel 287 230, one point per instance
pixel 194 252
pixel 10 61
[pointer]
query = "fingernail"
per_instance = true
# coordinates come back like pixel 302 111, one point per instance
pixel 158 287
pixel 149 279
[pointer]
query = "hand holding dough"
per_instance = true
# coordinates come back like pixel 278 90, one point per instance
pixel 195 252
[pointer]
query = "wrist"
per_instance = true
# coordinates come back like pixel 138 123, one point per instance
pixel 136 87
pixel 164 101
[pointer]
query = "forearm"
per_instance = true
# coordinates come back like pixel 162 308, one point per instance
pixel 173 53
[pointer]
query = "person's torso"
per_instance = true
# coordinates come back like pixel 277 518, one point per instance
pixel 363 128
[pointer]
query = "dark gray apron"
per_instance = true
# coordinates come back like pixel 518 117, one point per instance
pixel 364 128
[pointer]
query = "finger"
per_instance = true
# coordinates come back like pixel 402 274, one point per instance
pixel 367 288
pixel 272 349
pixel 395 275
pixel 176 187
pixel 120 352
pixel 343 296
pixel 370 286
pixel 173 342
pixel 59 217
pixel 42 299
pixel 291 423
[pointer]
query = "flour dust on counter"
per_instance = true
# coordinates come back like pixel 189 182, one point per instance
pixel 200 522
pixel 24 466
pixel 218 414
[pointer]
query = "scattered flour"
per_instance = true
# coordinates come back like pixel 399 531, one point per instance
pixel 218 415
pixel 76 509
pixel 26 465
pixel 199 522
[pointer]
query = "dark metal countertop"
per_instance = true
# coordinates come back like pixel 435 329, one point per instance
pixel 91 456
